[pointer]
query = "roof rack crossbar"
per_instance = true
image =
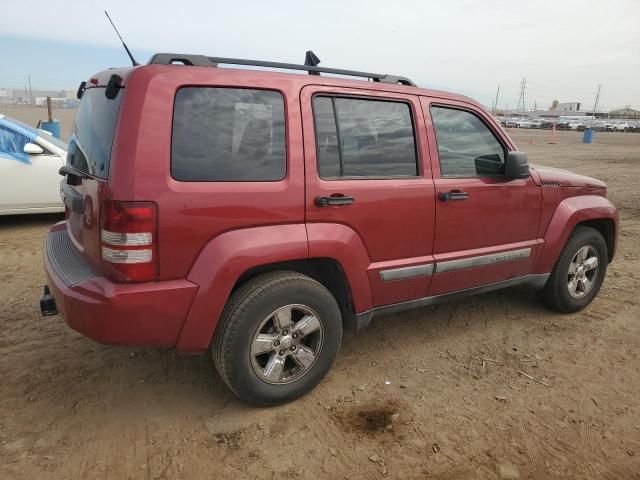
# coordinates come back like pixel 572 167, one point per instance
pixel 203 61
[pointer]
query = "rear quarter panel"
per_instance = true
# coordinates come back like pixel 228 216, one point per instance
pixel 191 214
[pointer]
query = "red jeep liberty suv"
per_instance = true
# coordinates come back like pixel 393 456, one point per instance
pixel 257 214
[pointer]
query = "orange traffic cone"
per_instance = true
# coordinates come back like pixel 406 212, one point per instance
pixel 553 136
pixel 531 142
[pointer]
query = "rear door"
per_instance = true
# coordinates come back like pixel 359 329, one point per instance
pixel 90 155
pixel 486 224
pixel 366 167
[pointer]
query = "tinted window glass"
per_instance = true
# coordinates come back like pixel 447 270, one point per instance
pixel 228 134
pixel 364 138
pixel 466 146
pixel 329 164
pixel 90 144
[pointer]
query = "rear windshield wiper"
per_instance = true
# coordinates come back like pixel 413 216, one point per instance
pixel 69 170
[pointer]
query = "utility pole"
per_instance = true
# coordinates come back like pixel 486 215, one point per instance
pixel 521 101
pixel 495 104
pixel 593 117
pixel 30 93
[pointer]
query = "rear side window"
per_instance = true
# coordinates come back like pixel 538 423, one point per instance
pixel 364 138
pixel 228 134
pixel 466 146
pixel 90 145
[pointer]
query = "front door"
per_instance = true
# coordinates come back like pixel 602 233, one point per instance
pixel 367 171
pixel 486 224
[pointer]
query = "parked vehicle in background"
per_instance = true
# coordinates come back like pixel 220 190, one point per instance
pixel 256 215
pixel 525 123
pixel 29 162
pixel 509 123
pixel 621 127
pixel 545 124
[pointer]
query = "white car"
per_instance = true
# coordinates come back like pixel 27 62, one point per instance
pixel 621 127
pixel 29 162
pixel 524 123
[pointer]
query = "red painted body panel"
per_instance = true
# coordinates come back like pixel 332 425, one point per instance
pixel 498 213
pixel 393 217
pixel 84 228
pixel 191 214
pixel 568 214
pixel 222 262
pixel 123 314
pixel 445 282
pixel 332 240
pixel 211 233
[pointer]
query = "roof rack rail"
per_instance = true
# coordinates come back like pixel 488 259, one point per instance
pixel 310 66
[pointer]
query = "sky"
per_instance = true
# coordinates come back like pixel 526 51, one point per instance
pixel 564 49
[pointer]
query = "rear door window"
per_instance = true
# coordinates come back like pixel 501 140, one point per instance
pixel 90 145
pixel 364 138
pixel 228 134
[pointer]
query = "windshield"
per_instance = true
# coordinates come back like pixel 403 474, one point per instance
pixel 90 144
pixel 45 135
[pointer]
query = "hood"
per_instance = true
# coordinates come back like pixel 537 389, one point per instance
pixel 565 178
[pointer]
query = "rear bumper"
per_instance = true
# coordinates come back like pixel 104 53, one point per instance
pixel 150 314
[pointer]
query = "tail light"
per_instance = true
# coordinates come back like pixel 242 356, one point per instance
pixel 129 241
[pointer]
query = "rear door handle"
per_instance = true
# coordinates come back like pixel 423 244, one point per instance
pixel 453 196
pixel 334 201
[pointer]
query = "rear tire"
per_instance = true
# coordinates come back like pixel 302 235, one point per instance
pixel 278 337
pixel 578 273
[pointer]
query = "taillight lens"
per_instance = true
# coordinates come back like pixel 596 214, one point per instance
pixel 128 241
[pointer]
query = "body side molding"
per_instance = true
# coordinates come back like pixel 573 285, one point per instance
pixel 451 265
pixel 406 272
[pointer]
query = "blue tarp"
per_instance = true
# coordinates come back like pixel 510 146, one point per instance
pixel 13 137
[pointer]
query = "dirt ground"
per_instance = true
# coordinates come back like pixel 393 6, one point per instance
pixel 432 393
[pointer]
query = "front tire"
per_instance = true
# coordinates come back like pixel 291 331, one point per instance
pixel 277 338
pixel 578 273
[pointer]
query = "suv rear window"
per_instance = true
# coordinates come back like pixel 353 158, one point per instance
pixel 228 134
pixel 90 145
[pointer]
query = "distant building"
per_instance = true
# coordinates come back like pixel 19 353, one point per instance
pixel 625 113
pixel 33 97
pixel 565 107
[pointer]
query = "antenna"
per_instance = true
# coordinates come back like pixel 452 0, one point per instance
pixel 133 60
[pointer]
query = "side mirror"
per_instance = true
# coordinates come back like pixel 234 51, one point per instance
pixel 33 149
pixel 516 165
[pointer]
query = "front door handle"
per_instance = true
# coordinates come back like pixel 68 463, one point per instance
pixel 334 201
pixel 453 196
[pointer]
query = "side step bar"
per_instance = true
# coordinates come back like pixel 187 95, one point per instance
pixel 363 319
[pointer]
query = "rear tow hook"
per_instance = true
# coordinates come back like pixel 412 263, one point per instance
pixel 48 303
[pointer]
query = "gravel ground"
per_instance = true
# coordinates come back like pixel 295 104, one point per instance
pixel 431 393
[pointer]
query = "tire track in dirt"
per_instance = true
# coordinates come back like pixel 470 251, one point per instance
pixel 533 446
pixel 327 432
